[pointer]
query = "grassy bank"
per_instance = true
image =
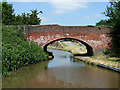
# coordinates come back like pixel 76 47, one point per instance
pixel 53 47
pixel 75 49
pixel 17 52
pixel 102 61
pixel 99 61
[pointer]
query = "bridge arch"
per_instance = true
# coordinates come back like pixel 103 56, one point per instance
pixel 88 47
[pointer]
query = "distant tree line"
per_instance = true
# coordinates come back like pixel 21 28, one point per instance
pixel 9 17
pixel 113 12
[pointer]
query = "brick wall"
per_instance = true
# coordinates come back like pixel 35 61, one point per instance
pixel 92 36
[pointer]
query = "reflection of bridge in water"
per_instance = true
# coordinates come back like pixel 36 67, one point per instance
pixel 93 37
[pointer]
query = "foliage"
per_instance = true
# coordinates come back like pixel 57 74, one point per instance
pixel 103 23
pixel 113 12
pixel 33 18
pixel 90 25
pixel 7 13
pixel 9 18
pixel 17 52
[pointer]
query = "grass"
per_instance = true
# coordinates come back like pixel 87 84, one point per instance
pixel 99 61
pixel 53 47
pixel 106 57
pixel 64 44
pixel 103 59
pixel 113 59
pixel 77 44
pixel 73 49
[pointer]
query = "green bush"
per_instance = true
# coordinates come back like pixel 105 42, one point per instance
pixel 17 52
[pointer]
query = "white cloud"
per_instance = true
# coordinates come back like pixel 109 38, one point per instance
pixel 45 19
pixel 62 7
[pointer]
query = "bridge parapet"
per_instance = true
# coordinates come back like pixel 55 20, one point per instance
pixel 44 34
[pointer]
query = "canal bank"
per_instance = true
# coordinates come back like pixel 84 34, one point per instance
pixel 101 63
pixel 100 60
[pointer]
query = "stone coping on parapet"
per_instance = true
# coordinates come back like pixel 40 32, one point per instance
pixel 67 25
pixel 56 26
pixel 64 25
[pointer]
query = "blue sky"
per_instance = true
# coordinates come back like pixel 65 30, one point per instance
pixel 65 13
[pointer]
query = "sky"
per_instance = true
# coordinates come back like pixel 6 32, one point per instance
pixel 64 12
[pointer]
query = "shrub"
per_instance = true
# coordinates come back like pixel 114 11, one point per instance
pixel 17 52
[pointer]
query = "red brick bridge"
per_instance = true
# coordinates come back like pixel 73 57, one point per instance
pixel 93 37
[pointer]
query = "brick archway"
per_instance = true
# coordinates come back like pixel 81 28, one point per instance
pixel 88 47
pixel 92 36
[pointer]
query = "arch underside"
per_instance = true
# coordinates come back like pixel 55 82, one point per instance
pixel 88 47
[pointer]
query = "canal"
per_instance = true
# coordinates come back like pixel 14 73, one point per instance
pixel 61 72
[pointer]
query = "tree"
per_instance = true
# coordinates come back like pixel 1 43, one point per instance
pixel 18 20
pixel 25 19
pixel 102 23
pixel 113 12
pixel 9 18
pixel 8 15
pixel 33 17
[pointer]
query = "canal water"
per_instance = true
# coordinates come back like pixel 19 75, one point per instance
pixel 61 72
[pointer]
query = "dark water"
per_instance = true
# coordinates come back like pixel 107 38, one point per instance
pixel 61 72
